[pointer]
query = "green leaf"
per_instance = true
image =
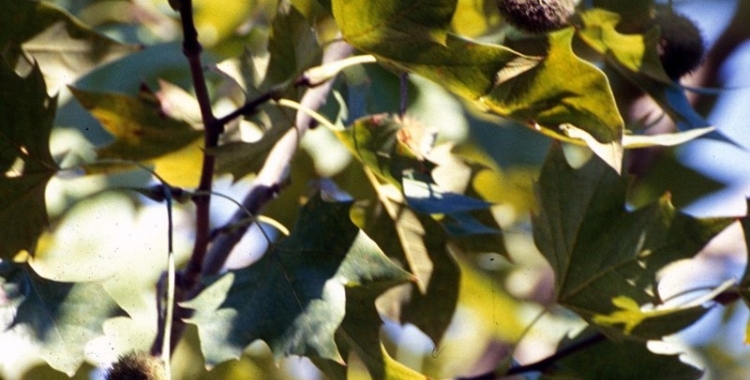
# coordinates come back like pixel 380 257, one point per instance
pixel 385 27
pixel 241 158
pixel 744 284
pixel 144 133
pixel 294 297
pixel 387 145
pixel 59 317
pixel 360 333
pixel 581 97
pixel 527 89
pixel 63 47
pixel 26 164
pixel 292 47
pixel 624 360
pixel 635 56
pixel 602 253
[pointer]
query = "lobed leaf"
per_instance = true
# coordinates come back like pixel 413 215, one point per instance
pixel 294 298
pixel 528 89
pixel 615 360
pixel 600 251
pixel 144 133
pixel 59 317
pixel 62 46
pixel 635 56
pixel 26 164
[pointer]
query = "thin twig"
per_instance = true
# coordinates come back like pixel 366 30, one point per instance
pixel 271 176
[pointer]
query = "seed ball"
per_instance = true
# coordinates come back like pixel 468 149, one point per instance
pixel 137 366
pixel 537 16
pixel 681 45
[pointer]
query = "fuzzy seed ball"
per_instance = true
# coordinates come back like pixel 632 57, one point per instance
pixel 137 367
pixel 537 16
pixel 681 45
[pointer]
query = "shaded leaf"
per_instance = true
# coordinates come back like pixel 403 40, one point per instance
pixel 63 47
pixel 294 297
pixel 624 360
pixel 26 164
pixel 60 317
pixel 292 47
pixel 599 251
pixel 360 333
pixel 744 284
pixel 144 133
pixel 387 146
pixel 241 158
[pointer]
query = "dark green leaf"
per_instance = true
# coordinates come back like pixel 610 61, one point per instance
pixel 292 46
pixel 605 258
pixel 26 164
pixel 63 47
pixel 624 360
pixel 61 317
pixel 294 297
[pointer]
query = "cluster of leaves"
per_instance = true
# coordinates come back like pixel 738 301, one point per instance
pixel 405 248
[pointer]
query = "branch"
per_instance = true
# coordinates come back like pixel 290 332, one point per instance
pixel 545 363
pixel 273 173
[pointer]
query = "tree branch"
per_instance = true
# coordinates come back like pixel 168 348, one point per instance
pixel 545 363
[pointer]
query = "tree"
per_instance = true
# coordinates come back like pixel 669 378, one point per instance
pixel 113 241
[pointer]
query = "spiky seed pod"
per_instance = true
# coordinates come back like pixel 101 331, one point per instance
pixel 537 16
pixel 137 366
pixel 681 45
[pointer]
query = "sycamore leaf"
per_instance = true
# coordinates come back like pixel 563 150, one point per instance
pixel 389 146
pixel 144 133
pixel 636 57
pixel 26 164
pixel 598 250
pixel 581 97
pixel 744 284
pixel 241 158
pixel 294 298
pixel 63 47
pixel 664 139
pixel 59 317
pixel 614 360
pixel 632 318
pixel 360 334
pixel 292 46
pixel 527 89
pixel 374 26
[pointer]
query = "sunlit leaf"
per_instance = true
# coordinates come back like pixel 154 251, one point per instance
pixel 636 57
pixel 144 133
pixel 581 97
pixel 528 89
pixel 599 250
pixel 616 361
pixel 294 298
pixel 60 317
pixel 62 46
pixel 26 165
